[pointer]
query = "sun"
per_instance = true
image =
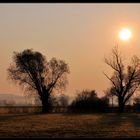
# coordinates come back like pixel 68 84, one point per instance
pixel 125 34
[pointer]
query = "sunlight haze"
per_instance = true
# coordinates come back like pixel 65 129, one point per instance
pixel 80 34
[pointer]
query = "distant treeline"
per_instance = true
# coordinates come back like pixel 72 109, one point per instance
pixel 86 101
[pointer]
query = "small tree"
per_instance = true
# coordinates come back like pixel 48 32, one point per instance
pixel 31 70
pixel 63 100
pixel 124 81
pixel 37 101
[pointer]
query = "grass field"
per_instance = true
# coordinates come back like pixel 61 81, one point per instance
pixel 70 126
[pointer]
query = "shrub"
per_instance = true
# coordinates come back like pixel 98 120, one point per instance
pixel 87 101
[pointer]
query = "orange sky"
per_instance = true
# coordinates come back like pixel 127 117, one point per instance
pixel 80 34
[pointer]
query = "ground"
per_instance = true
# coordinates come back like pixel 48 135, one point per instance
pixel 109 125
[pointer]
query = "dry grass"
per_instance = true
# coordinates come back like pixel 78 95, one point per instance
pixel 70 126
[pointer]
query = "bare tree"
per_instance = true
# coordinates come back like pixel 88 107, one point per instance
pixel 37 101
pixel 110 94
pixel 63 100
pixel 125 81
pixel 31 70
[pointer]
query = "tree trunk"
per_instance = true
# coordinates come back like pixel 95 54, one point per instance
pixel 121 105
pixel 45 103
pixel 45 106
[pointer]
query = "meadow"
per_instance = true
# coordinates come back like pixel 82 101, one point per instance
pixel 62 125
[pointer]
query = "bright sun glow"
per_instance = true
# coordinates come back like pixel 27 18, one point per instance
pixel 125 34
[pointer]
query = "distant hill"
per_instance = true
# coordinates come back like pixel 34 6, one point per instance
pixel 15 99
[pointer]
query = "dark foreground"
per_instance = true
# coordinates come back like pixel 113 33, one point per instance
pixel 109 125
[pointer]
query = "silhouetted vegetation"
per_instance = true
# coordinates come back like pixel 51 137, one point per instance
pixel 88 101
pixel 36 75
pixel 124 81
pixel 32 71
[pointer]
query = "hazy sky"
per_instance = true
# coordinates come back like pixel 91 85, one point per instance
pixel 80 34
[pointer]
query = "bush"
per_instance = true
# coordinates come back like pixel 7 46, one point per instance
pixel 87 101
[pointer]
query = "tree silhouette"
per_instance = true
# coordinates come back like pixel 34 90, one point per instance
pixel 31 70
pixel 63 100
pixel 125 81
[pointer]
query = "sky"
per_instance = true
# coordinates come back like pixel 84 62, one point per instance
pixel 81 34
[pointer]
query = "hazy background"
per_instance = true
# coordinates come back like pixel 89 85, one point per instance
pixel 80 34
